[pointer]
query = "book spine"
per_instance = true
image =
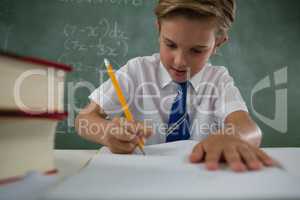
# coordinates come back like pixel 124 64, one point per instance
pixel 37 61
pixel 19 178
pixel 27 114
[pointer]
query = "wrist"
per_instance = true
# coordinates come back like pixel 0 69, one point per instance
pixel 227 131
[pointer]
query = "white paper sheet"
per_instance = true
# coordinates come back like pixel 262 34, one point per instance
pixel 165 173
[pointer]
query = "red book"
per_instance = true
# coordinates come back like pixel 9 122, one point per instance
pixel 31 84
pixel 31 105
pixel 26 143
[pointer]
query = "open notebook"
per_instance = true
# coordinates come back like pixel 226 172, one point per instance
pixel 165 173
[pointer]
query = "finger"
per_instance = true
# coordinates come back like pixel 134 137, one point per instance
pixel 135 128
pixel 143 129
pixel 212 158
pixel 197 153
pixel 117 120
pixel 233 159
pixel 263 157
pixel 124 123
pixel 120 147
pixel 120 133
pixel 249 157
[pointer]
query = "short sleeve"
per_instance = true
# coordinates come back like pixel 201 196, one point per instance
pixel 229 97
pixel 106 97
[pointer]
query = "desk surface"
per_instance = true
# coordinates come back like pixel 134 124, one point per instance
pixel 69 162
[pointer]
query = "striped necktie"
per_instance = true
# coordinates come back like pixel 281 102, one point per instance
pixel 179 123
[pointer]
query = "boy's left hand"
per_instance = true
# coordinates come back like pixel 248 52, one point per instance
pixel 237 153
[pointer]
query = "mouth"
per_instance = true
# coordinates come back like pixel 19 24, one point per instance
pixel 179 71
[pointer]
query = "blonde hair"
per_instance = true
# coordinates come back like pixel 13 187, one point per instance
pixel 222 10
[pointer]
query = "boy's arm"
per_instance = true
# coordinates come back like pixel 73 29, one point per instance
pixel 90 123
pixel 119 135
pixel 237 144
pixel 244 127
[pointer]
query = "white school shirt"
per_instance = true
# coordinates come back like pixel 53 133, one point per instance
pixel 150 92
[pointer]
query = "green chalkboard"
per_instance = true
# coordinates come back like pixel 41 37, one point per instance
pixel 262 55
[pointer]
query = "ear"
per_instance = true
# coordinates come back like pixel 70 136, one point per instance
pixel 158 25
pixel 220 40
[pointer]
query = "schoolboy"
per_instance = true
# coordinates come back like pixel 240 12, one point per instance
pixel 178 88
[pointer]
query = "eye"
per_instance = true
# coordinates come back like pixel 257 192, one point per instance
pixel 196 51
pixel 171 45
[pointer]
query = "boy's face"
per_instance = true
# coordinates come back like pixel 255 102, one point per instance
pixel 186 45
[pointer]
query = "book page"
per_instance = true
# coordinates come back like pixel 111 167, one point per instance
pixel 168 149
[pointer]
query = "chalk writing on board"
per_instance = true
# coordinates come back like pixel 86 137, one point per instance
pixel 84 42
pixel 84 48
pixel 135 3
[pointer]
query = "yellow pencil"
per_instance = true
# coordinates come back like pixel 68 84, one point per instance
pixel 122 99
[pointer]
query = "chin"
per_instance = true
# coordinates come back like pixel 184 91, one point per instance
pixel 179 79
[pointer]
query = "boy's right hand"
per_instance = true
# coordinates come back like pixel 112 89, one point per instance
pixel 122 136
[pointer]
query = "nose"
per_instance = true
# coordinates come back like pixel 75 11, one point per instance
pixel 180 61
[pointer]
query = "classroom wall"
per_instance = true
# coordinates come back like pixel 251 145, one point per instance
pixel 262 55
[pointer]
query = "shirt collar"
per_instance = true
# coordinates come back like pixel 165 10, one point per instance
pixel 196 80
pixel 163 76
pixel 165 79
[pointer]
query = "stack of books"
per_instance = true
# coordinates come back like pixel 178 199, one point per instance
pixel 31 105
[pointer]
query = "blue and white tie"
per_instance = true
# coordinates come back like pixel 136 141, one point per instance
pixel 179 122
